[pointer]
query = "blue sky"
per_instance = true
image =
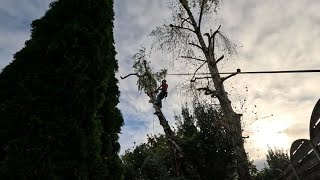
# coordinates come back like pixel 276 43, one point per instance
pixel 274 35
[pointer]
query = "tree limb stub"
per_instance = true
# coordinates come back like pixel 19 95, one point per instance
pixel 216 31
pixel 219 59
pixel 233 74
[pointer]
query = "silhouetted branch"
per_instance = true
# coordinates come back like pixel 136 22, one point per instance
pixel 201 13
pixel 198 59
pixel 194 74
pixel 216 31
pixel 180 27
pixel 233 74
pixel 220 58
pixel 129 75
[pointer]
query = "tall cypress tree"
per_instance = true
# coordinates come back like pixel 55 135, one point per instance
pixel 58 115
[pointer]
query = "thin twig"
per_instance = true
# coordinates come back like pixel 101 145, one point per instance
pixel 198 59
pixel 194 74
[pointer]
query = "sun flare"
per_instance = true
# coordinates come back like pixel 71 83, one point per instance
pixel 270 133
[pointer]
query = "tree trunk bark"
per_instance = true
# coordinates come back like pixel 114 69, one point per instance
pixel 181 161
pixel 233 124
pixel 233 119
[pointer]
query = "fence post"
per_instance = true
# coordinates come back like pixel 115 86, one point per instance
pixel 295 172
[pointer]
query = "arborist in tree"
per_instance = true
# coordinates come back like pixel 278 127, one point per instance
pixel 163 93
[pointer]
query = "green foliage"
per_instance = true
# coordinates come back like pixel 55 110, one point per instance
pixel 203 140
pixel 277 161
pixel 208 147
pixel 147 78
pixel 58 115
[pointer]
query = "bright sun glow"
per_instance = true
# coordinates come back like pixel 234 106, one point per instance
pixel 271 133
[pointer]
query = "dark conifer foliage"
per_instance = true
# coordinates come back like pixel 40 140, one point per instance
pixel 58 115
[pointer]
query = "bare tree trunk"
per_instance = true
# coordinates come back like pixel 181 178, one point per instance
pixel 233 119
pixel 233 123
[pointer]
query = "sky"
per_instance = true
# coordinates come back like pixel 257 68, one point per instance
pixel 271 35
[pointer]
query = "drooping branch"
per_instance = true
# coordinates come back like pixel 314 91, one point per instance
pixel 194 58
pixel 181 27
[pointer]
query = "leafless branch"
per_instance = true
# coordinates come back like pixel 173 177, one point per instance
pixel 136 74
pixel 198 59
pixel 129 75
pixel 180 27
pixel 201 13
pixel 194 74
pixel 220 58
pixel 216 31
pixel 213 40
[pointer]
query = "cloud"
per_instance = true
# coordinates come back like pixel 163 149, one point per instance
pixel 275 35
pixel 15 19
